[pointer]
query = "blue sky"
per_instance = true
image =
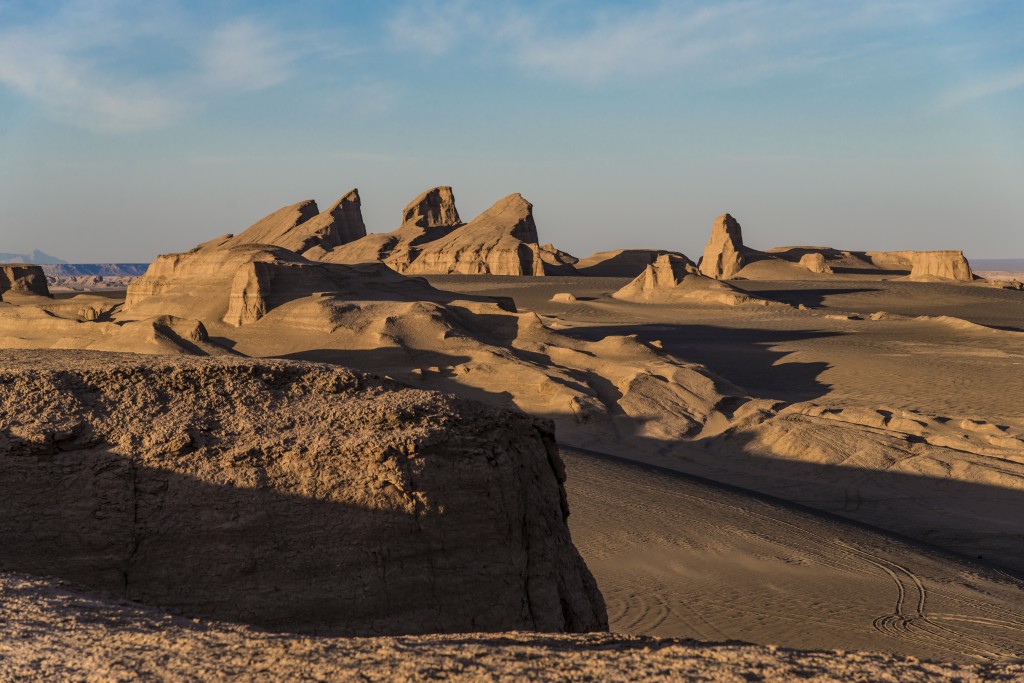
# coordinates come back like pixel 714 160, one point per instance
pixel 129 129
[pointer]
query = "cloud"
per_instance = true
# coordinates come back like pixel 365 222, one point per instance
pixel 1002 83
pixel 245 56
pixel 114 66
pixel 588 42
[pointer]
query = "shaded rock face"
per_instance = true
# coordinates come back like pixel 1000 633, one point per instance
pixel 432 209
pixel 23 279
pixel 674 278
pixel 723 255
pixel 302 228
pixel 286 495
pixel 815 262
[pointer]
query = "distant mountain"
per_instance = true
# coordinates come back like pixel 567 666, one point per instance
pixel 104 269
pixel 35 257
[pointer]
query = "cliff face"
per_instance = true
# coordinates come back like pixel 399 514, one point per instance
pixel 23 278
pixel 287 495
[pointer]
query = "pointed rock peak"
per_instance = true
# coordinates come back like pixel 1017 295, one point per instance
pixel 434 208
pixel 723 256
pixel 728 226
pixel 514 215
pixel 349 200
pixel 270 229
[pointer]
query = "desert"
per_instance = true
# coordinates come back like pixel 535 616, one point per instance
pixel 546 340
pixel 709 458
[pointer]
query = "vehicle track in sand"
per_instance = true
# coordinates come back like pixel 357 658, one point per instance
pixel 678 556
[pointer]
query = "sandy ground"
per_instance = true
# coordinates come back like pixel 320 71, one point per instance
pixel 54 632
pixel 677 557
pixel 683 558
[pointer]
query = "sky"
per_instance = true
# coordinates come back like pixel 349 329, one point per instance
pixel 129 129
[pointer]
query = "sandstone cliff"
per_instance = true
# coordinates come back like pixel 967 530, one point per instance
pixel 23 278
pixel 286 495
pixel 723 255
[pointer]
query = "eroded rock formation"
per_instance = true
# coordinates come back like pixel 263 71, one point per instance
pixel 23 278
pixel 239 284
pixel 287 495
pixel 816 263
pixel 723 255
pixel 302 228
pixel 500 241
pixel 433 240
pixel 926 265
pixel 675 278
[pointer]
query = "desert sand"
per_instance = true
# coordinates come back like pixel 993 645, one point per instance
pixel 801 447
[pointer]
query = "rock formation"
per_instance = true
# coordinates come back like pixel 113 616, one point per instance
pixel 619 262
pixel 673 278
pixel 727 257
pixel 815 262
pixel 926 265
pixel 433 240
pixel 287 495
pixel 302 228
pixel 723 255
pixel 239 284
pixel 23 278
pixel 500 241
pixel 430 216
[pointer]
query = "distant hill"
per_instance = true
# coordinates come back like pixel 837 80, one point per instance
pixel 103 269
pixel 998 264
pixel 36 256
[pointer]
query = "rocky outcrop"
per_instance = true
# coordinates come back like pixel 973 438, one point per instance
pixel 816 263
pixel 500 241
pixel 926 265
pixel 723 255
pixel 302 228
pixel 287 495
pixel 673 278
pixel 430 216
pixel 23 278
pixel 434 208
pixel 219 281
pixel 432 240
pixel 619 262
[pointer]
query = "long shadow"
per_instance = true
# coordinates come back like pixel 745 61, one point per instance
pixel 812 298
pixel 742 356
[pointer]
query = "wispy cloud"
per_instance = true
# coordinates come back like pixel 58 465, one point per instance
pixel 589 43
pixel 116 66
pixel 996 85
